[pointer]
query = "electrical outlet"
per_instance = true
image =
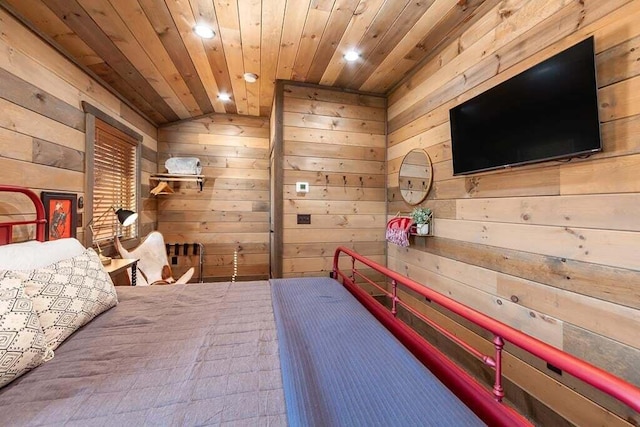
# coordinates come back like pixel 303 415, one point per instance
pixel 304 218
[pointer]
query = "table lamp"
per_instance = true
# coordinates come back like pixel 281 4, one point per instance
pixel 125 217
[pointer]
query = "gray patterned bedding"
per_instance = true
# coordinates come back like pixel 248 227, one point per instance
pixel 203 354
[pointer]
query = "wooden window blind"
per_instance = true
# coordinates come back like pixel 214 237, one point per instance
pixel 114 180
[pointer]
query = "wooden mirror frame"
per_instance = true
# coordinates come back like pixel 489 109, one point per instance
pixel 415 176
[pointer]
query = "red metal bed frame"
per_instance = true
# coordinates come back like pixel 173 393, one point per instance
pixel 6 228
pixel 485 403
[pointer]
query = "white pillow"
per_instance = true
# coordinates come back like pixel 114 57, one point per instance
pixel 34 254
pixel 67 294
pixel 22 340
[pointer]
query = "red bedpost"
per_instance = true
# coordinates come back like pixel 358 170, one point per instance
pixel 498 391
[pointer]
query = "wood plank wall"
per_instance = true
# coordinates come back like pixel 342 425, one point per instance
pixel 552 248
pixel 42 125
pixel 335 141
pixel 232 211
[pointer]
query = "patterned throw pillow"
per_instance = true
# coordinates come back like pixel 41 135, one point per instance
pixel 22 341
pixel 68 294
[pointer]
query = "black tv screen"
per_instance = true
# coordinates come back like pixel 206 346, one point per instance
pixel 549 111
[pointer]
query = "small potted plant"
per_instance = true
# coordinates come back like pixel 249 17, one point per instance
pixel 422 218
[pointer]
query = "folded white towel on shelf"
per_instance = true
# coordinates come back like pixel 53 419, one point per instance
pixel 183 165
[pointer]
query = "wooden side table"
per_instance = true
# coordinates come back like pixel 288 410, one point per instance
pixel 119 264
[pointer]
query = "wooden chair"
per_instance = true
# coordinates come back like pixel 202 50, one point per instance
pixel 153 264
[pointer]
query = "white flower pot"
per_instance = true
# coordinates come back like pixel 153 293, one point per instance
pixel 422 229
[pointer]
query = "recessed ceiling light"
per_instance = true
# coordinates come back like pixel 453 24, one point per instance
pixel 224 97
pixel 351 56
pixel 204 31
pixel 250 77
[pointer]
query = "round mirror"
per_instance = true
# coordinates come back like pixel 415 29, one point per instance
pixel 416 175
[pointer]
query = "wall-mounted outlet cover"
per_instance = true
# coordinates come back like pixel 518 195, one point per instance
pixel 302 187
pixel 303 219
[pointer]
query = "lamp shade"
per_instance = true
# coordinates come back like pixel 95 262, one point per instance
pixel 126 217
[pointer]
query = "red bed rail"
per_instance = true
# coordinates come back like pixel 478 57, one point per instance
pixel 486 404
pixel 6 228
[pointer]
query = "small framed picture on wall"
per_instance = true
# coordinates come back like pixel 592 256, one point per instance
pixel 61 212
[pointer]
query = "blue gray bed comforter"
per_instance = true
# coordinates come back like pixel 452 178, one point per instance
pixel 341 367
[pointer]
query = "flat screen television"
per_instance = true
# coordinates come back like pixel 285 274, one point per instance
pixel 549 111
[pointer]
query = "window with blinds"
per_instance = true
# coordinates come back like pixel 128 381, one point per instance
pixel 114 181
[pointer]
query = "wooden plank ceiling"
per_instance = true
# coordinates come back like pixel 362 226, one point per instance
pixel 146 50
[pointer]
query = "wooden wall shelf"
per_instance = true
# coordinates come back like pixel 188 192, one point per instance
pixel 414 232
pixel 172 177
